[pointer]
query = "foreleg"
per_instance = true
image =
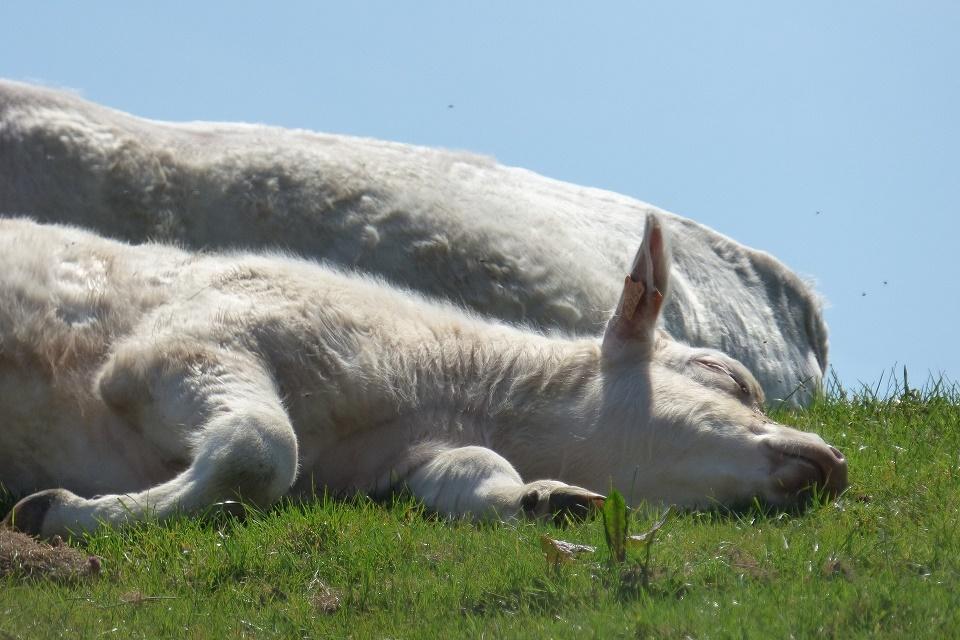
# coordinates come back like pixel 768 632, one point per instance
pixel 478 483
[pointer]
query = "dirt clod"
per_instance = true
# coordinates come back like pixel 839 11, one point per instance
pixel 325 599
pixel 28 558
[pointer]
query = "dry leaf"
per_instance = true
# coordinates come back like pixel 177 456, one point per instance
pixel 647 538
pixel 558 551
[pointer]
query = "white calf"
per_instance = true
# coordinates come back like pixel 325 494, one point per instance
pixel 504 241
pixel 146 380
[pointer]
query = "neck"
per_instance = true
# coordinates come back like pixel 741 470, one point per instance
pixel 534 400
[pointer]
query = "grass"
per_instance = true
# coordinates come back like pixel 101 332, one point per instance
pixel 882 560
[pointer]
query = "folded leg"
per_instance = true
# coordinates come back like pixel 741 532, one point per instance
pixel 219 408
pixel 478 483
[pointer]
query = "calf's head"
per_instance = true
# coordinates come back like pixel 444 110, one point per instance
pixel 686 426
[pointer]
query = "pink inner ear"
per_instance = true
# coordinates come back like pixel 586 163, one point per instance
pixel 656 243
pixel 643 289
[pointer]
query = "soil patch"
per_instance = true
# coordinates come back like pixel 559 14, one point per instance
pixel 24 557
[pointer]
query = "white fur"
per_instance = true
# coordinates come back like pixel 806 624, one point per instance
pixel 149 379
pixel 504 241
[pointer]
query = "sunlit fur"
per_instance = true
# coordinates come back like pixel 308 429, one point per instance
pixel 151 379
pixel 504 241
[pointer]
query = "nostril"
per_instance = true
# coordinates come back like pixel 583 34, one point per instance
pixel 801 462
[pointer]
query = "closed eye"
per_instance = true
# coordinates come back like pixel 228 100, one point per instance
pixel 722 369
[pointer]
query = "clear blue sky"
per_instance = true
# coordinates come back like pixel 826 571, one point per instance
pixel 750 117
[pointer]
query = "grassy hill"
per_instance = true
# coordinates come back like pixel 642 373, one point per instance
pixel 882 560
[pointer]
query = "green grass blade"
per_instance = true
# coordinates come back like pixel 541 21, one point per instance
pixel 615 525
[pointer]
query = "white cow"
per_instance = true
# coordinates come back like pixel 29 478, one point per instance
pixel 146 380
pixel 504 241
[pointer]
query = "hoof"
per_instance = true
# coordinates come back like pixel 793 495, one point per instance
pixel 226 512
pixel 572 504
pixel 28 514
pixel 561 503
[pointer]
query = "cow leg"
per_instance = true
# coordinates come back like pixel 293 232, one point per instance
pixel 478 483
pixel 220 409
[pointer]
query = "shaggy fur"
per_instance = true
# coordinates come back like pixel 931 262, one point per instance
pixel 146 380
pixel 501 240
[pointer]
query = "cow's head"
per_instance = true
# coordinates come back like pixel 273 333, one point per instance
pixel 685 425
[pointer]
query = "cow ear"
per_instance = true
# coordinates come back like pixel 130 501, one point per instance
pixel 634 321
